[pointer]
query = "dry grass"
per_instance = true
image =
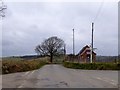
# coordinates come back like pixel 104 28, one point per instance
pixel 12 65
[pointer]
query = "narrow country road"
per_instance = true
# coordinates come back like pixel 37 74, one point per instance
pixel 57 76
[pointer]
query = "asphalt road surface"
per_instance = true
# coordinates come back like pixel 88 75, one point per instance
pixel 57 76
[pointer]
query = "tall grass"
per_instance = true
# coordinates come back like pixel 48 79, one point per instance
pixel 18 65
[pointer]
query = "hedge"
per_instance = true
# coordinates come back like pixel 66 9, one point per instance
pixel 92 66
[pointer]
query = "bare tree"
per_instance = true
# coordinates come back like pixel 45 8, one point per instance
pixel 50 47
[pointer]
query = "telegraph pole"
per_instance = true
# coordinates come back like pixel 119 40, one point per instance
pixel 92 43
pixel 73 44
pixel 64 49
pixel 64 52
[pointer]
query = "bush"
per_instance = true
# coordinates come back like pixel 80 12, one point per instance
pixel 92 66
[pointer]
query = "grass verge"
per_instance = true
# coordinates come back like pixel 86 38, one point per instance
pixel 92 66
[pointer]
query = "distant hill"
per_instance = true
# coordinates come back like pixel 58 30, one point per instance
pixel 25 57
pixel 28 57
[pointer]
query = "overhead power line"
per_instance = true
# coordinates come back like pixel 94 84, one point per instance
pixel 73 43
pixel 98 12
pixel 96 16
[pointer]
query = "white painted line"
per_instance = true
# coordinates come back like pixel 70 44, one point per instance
pixel 98 78
pixel 28 75
pixel 32 71
pixel 29 72
pixel 25 74
pixel 20 86
pixel 113 83
pixel 107 80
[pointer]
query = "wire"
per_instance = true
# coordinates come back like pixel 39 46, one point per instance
pixel 98 12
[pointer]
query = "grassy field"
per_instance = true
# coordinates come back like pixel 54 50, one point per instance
pixel 12 65
pixel 92 66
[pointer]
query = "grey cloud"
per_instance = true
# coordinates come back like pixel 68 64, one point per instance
pixel 28 24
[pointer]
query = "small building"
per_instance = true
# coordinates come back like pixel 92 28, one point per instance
pixel 85 53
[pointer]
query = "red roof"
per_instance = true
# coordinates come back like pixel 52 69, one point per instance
pixel 84 48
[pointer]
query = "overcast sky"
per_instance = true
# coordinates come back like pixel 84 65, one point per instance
pixel 27 24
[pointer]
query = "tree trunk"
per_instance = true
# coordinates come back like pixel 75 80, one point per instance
pixel 51 57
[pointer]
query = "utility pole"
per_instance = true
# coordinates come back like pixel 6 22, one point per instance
pixel 64 52
pixel 64 49
pixel 92 43
pixel 73 44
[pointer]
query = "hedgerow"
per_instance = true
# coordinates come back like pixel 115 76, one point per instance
pixel 92 66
